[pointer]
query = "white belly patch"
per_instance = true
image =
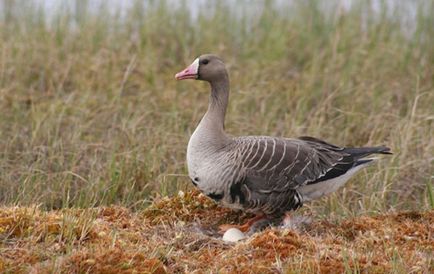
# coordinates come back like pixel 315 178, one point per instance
pixel 318 190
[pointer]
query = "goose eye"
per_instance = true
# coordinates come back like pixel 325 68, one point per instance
pixel 205 61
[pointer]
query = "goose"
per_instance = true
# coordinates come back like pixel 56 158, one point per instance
pixel 266 176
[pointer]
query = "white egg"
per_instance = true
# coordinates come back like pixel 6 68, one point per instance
pixel 233 235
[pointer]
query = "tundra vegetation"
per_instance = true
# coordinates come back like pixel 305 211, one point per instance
pixel 94 128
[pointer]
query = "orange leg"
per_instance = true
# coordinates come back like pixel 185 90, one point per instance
pixel 244 227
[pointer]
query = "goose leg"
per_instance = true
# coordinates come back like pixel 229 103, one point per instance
pixel 262 224
pixel 259 226
pixel 244 227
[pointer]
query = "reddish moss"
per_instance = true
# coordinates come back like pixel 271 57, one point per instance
pixel 169 237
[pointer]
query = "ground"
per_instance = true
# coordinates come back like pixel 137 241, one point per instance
pixel 178 235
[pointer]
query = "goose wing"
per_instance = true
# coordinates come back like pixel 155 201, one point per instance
pixel 278 164
pixel 274 168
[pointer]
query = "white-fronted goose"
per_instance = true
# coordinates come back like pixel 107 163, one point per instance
pixel 265 175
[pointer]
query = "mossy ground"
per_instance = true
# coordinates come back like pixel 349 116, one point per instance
pixel 178 235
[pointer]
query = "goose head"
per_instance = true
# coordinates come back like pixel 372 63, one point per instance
pixel 207 67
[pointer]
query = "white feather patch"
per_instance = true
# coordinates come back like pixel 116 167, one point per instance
pixel 195 66
pixel 318 190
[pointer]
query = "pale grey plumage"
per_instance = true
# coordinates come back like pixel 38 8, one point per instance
pixel 261 174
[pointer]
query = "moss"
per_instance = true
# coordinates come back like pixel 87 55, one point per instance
pixel 173 235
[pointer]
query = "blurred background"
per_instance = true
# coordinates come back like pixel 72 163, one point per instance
pixel 90 113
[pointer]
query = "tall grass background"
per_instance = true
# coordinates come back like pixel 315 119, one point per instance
pixel 90 113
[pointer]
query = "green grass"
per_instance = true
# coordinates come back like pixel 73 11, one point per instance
pixel 91 114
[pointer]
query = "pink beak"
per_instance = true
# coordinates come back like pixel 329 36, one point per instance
pixel 191 72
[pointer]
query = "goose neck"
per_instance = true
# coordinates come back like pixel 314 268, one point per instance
pixel 213 121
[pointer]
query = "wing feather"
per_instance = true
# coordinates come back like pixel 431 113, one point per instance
pixel 281 164
pixel 272 169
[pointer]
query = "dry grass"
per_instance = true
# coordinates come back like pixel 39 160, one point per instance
pixel 177 235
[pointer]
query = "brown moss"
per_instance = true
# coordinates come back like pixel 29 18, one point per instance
pixel 173 235
pixel 113 260
pixel 188 207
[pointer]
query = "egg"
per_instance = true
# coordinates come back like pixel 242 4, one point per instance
pixel 233 235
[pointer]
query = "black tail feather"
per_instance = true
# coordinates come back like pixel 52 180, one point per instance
pixel 360 152
pixel 362 162
pixel 353 158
